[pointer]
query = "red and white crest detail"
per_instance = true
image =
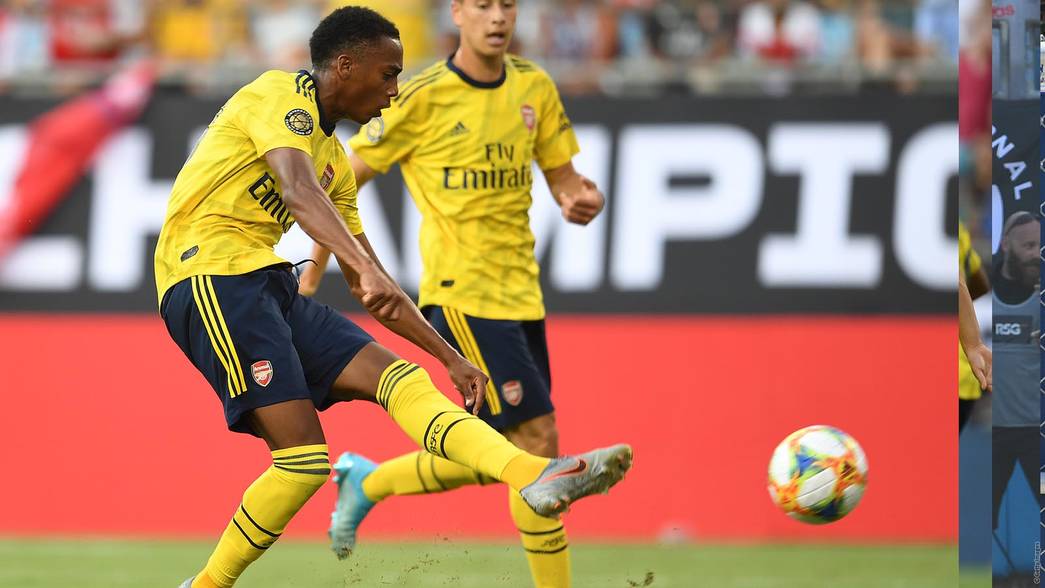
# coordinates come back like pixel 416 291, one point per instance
pixel 512 391
pixel 262 372
pixel 328 176
pixel 529 116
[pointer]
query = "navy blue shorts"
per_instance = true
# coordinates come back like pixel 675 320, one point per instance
pixel 258 342
pixel 513 353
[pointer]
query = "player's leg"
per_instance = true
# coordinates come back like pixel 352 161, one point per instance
pixel 300 466
pixel 1003 458
pixel 543 538
pixel 233 331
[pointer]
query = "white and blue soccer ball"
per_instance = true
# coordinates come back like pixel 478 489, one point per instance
pixel 817 474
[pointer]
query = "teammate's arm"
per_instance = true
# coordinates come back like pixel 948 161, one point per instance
pixel 969 335
pixel 577 196
pixel 313 274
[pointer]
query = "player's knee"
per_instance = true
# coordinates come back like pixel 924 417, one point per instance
pixel 538 436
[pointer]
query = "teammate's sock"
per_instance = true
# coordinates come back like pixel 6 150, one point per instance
pixel 445 430
pixel 544 540
pixel 268 505
pixel 419 473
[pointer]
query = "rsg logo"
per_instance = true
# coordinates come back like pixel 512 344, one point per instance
pixel 1002 329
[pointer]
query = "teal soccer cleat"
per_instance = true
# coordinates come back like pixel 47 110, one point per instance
pixel 352 505
pixel 571 478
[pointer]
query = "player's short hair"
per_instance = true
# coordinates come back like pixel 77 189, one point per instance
pixel 349 28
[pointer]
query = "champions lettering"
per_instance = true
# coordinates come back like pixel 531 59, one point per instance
pixel 467 178
pixel 264 192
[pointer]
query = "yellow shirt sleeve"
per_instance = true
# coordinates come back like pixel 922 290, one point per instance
pixel 283 119
pixel 968 259
pixel 392 137
pixel 556 144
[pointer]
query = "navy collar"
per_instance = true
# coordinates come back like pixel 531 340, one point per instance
pixel 326 125
pixel 474 82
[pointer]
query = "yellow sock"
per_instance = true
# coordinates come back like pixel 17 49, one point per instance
pixel 443 429
pixel 544 540
pixel 268 505
pixel 419 473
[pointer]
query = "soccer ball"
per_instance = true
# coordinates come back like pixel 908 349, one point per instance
pixel 817 474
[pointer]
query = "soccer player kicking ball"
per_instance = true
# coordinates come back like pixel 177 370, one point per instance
pixel 269 159
pixel 466 132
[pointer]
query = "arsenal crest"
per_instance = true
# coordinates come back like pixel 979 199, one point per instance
pixel 328 176
pixel 512 391
pixel 262 372
pixel 529 116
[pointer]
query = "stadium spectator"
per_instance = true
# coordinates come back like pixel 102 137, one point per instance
pixel 688 30
pixel 193 31
pixel 579 36
pixel 281 29
pixel 974 101
pixel 837 32
pixel 778 31
pixel 936 28
pixel 25 38
pixel 92 32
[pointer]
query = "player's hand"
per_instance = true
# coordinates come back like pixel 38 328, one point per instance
pixel 584 205
pixel 379 295
pixel 470 381
pixel 981 361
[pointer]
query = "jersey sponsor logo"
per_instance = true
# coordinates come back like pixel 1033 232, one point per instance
pixel 375 129
pixel 467 178
pixel 512 391
pixel 328 176
pixel 564 121
pixel 529 116
pixel 262 372
pixel 458 130
pixel 1012 329
pixel 299 121
pixel 263 190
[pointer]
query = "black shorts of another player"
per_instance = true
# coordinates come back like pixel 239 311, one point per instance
pixel 513 353
pixel 258 342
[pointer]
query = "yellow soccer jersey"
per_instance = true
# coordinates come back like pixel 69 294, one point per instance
pixel 467 149
pixel 969 262
pixel 226 213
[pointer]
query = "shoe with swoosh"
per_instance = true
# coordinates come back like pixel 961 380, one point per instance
pixel 567 479
pixel 352 504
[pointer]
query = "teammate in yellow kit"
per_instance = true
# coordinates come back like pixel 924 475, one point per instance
pixel 466 132
pixel 977 284
pixel 268 160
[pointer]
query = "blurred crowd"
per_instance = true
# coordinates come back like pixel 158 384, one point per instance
pixel 577 39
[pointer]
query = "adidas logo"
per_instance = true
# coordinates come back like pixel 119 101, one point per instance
pixel 459 129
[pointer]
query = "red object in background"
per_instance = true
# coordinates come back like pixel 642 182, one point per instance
pixel 136 443
pixel 61 145
pixel 82 31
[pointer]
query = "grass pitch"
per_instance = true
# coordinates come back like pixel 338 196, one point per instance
pixel 38 563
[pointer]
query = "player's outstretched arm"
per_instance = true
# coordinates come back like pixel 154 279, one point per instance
pixel 969 335
pixel 378 293
pixel 578 197
pixel 318 216
pixel 313 274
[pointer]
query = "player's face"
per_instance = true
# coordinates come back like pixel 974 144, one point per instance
pixel 1021 250
pixel 486 26
pixel 374 78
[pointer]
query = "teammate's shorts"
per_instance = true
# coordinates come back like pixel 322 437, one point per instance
pixel 513 353
pixel 258 342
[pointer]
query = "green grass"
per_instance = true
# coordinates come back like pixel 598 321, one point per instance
pixel 164 564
